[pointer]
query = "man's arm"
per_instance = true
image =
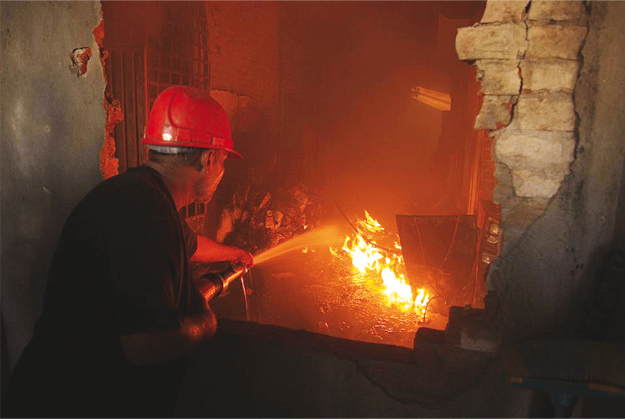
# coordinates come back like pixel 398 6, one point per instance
pixel 154 347
pixel 211 251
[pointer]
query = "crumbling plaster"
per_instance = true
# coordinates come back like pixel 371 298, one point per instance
pixel 559 146
pixel 52 129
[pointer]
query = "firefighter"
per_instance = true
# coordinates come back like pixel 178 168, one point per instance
pixel 120 313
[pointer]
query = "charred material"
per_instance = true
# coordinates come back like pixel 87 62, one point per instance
pixel 440 253
pixel 260 217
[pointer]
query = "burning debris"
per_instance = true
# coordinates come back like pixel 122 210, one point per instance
pixel 377 264
pixel 358 290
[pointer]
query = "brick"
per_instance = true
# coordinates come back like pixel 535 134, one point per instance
pixel 495 112
pixel 470 329
pixel 555 41
pixel 546 112
pixel 557 10
pixel 547 150
pixel 499 77
pixel 244 51
pixel 549 76
pixel 503 191
pixel 536 183
pixel 539 161
pixel 505 41
pixel 504 11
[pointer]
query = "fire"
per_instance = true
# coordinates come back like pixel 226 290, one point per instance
pixel 380 265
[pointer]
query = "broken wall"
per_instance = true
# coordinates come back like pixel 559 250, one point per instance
pixel 557 223
pixel 52 131
pixel 552 79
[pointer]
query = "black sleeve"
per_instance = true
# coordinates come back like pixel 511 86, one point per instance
pixel 197 304
pixel 143 245
pixel 190 238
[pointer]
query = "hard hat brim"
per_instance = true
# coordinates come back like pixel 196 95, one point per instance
pixel 232 153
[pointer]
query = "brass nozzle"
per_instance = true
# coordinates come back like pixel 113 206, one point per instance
pixel 214 284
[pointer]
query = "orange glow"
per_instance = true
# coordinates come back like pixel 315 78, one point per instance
pixel 381 267
pixel 438 100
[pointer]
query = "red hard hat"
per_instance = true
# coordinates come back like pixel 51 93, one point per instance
pixel 184 116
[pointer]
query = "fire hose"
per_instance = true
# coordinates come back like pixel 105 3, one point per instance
pixel 213 284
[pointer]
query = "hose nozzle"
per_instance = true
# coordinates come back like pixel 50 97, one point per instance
pixel 214 284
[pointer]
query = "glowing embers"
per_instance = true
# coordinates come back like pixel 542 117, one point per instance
pixel 381 267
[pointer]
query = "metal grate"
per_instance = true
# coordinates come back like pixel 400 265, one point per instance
pixel 178 52
pixel 126 84
pixel 152 46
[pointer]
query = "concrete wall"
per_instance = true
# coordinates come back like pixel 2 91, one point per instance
pixel 52 130
pixel 254 370
pixel 552 75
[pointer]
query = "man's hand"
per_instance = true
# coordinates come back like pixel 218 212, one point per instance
pixel 211 251
pixel 242 256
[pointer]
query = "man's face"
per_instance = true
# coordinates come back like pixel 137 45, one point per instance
pixel 210 175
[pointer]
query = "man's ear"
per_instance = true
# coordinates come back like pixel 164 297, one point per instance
pixel 207 157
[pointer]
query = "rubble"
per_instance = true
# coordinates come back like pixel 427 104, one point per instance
pixel 260 217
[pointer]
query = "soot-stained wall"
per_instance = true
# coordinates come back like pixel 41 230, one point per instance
pixel 244 59
pixel 52 131
pixel 244 52
pixel 245 78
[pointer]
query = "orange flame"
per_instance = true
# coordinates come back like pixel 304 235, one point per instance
pixel 384 266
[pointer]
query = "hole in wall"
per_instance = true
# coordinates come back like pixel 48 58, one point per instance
pixel 352 114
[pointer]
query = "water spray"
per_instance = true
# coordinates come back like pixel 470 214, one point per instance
pixel 324 236
pixel 213 284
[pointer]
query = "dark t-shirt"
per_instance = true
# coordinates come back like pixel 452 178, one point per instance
pixel 121 267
